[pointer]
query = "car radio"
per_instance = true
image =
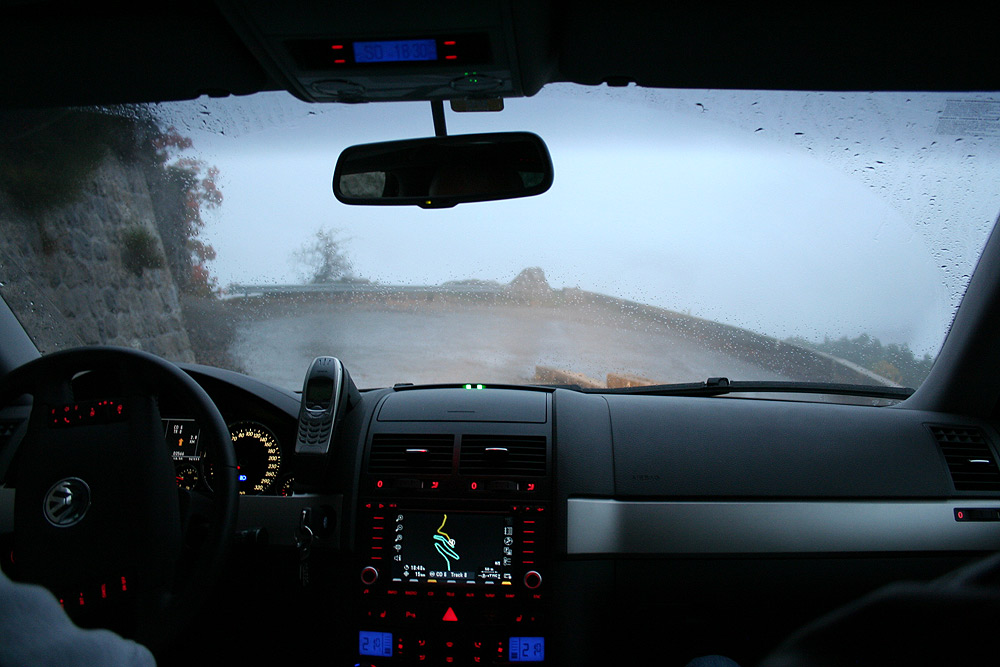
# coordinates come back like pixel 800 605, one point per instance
pixel 447 582
pixel 452 538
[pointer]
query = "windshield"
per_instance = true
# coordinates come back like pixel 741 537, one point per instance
pixel 820 237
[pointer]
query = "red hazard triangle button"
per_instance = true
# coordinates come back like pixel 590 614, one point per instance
pixel 449 615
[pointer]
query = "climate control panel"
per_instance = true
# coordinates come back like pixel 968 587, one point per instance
pixel 452 583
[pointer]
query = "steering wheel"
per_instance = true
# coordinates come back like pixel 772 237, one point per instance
pixel 98 517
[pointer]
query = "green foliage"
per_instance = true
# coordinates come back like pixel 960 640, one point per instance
pixel 892 361
pixel 140 249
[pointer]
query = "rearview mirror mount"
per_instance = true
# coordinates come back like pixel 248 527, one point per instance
pixel 440 172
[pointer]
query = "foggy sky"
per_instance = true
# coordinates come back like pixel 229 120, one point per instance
pixel 812 214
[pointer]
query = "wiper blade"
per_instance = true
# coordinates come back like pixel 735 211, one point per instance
pixel 719 386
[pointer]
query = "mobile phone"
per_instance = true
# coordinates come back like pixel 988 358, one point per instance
pixel 322 396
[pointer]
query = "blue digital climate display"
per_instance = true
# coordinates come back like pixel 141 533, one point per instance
pixel 375 643
pixel 395 51
pixel 527 649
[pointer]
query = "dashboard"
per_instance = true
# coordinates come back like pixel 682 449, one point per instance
pixel 474 524
pixel 471 522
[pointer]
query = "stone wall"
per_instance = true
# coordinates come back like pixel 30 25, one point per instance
pixel 70 279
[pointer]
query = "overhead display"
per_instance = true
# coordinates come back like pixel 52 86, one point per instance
pixel 399 50
pixel 326 54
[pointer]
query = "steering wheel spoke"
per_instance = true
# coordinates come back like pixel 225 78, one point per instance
pixel 196 507
pixel 96 506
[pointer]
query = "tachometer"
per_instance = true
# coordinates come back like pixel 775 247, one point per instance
pixel 258 457
pixel 187 476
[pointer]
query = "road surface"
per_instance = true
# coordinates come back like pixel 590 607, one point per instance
pixel 430 342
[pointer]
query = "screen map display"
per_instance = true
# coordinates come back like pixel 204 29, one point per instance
pixel 452 547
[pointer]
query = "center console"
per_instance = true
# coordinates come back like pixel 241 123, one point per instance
pixel 453 541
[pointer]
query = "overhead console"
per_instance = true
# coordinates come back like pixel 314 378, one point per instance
pixel 454 524
pixel 339 52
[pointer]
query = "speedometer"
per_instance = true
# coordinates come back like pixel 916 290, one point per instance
pixel 258 457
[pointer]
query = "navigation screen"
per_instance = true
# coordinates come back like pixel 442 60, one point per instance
pixel 452 547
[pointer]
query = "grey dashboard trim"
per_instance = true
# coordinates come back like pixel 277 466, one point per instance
pixel 626 528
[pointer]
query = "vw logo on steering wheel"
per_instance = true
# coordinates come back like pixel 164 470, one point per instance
pixel 66 502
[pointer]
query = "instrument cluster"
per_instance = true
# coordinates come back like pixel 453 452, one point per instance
pixel 261 469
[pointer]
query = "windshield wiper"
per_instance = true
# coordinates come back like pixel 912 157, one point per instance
pixel 718 386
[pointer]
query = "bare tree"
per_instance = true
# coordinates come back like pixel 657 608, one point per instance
pixel 323 258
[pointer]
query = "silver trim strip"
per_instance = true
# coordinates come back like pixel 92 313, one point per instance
pixel 624 528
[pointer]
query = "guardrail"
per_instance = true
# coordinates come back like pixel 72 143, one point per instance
pixel 781 357
pixel 359 288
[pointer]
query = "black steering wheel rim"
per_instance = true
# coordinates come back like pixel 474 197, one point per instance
pixel 132 517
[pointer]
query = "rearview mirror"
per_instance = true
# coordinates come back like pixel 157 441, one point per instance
pixel 439 172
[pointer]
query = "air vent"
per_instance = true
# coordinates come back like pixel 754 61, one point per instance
pixel 411 454
pixel 970 459
pixel 502 455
